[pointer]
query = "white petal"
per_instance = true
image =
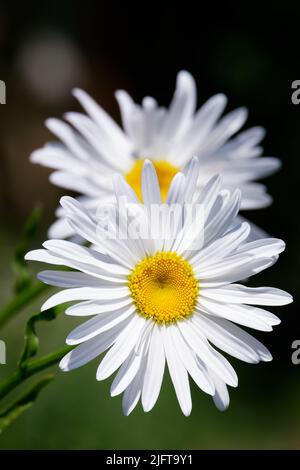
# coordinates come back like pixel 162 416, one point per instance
pixel 44 257
pixel 98 324
pixel 127 108
pixel 200 127
pixel 58 158
pixel 150 186
pixel 86 352
pixel 176 190
pixel 191 172
pixel 245 144
pixel 82 223
pixel 209 193
pixel 262 352
pixel 121 349
pixel 89 307
pixel 133 391
pixel 222 246
pixel 225 340
pixel 264 247
pixel 74 279
pixel 238 294
pixel 221 396
pixel 228 125
pixel 74 255
pixel 178 374
pixel 212 269
pixel 66 134
pixel 224 219
pixel 254 196
pixel 60 229
pixel 246 315
pixel 246 269
pixel 128 370
pixel 197 371
pixel 84 293
pixel 122 188
pixel 181 108
pixel 75 183
pixel 105 155
pixel 103 120
pixel 255 231
pixel 207 354
pixel 154 370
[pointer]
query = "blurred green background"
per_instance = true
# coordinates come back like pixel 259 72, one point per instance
pixel 46 48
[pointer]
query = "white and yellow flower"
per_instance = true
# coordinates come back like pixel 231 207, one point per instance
pixel 93 147
pixel 159 301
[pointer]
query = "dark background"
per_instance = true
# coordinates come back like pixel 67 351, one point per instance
pixel 250 53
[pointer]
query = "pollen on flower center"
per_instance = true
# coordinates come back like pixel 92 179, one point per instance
pixel 164 287
pixel 165 173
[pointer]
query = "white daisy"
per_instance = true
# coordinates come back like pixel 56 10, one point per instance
pixel 94 147
pixel 158 302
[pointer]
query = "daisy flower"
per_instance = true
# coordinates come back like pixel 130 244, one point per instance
pixel 157 302
pixel 93 147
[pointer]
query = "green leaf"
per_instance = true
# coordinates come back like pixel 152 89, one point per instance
pixel 24 276
pixel 31 343
pixel 9 414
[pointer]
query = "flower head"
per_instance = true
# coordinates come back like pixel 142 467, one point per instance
pixel 93 147
pixel 164 300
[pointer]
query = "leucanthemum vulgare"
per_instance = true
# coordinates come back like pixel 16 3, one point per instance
pixel 164 301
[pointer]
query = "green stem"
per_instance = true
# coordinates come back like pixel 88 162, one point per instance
pixel 30 368
pixel 21 300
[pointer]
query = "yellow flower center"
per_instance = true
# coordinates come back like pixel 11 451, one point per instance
pixel 165 173
pixel 164 288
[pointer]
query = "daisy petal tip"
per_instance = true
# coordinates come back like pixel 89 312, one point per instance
pixel 277 164
pixel 195 160
pixel 219 178
pixel 65 201
pixel 148 163
pixel 237 193
pixel 222 406
pixel 289 299
pixel 234 382
pixel 29 255
pixel 242 112
pixel 185 76
pixel 127 412
pixel 78 93
pixel 267 358
pixel 45 307
pixel 64 364
pixel 187 412
pixel 50 123
pixel 68 116
pixel 71 341
pixel 101 374
pixel 128 408
pixel 221 97
pixel 146 407
pixel 123 98
pixel 40 276
pixel 119 93
pixel 113 392
pixel 35 156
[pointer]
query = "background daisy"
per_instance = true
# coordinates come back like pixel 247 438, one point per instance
pixel 93 147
